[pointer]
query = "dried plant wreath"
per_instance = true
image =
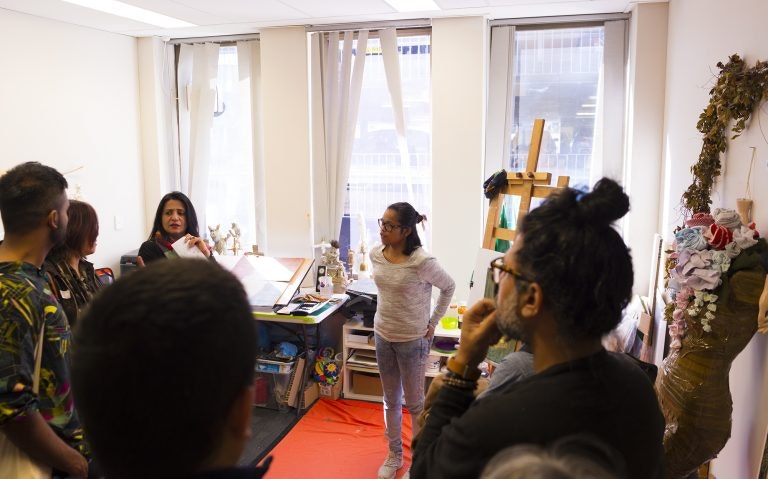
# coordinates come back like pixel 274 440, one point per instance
pixel 738 92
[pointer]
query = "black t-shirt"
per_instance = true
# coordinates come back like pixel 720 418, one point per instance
pixel 604 394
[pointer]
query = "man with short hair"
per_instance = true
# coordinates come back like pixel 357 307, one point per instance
pixel 562 286
pixel 44 425
pixel 162 372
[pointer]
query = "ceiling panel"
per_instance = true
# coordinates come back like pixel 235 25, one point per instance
pixel 246 10
pixel 178 10
pixel 228 17
pixel 69 13
pixel 336 8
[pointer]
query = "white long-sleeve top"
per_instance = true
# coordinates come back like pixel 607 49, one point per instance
pixel 405 294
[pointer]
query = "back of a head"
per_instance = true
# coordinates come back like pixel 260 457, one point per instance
pixel 580 261
pixel 28 192
pixel 158 359
pixel 572 457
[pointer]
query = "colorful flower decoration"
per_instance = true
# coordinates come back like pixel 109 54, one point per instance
pixel 703 252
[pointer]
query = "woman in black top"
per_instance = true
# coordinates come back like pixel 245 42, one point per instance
pixel 73 279
pixel 175 218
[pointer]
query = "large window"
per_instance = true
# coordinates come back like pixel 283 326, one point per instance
pixel 377 175
pixel 557 75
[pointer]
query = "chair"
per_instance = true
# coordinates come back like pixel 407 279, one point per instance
pixel 105 275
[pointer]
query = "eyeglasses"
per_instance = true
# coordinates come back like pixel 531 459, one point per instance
pixel 387 226
pixel 498 267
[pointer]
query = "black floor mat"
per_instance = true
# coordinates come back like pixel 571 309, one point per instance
pixel 268 426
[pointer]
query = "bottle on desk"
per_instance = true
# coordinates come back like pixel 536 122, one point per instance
pixel 326 286
pixel 453 310
pixel 461 310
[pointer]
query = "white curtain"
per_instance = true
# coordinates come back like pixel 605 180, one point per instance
pixel 500 94
pixel 388 38
pixel 197 72
pixel 337 78
pixel 249 68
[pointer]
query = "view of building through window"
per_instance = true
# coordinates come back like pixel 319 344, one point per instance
pixel 557 76
pixel 377 178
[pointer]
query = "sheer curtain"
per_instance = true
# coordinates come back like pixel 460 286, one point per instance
pixel 388 38
pixel 337 76
pixel 196 78
pixel 249 67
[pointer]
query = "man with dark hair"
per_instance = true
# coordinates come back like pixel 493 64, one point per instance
pixel 561 287
pixel 162 371
pixel 43 424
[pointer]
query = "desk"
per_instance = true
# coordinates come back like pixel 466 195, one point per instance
pixel 305 322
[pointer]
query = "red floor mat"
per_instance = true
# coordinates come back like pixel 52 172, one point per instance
pixel 337 439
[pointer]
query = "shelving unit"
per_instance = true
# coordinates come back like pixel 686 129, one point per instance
pixel 356 326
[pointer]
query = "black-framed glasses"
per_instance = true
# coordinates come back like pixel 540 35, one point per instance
pixel 498 267
pixel 387 226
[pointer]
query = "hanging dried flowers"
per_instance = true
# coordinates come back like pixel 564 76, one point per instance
pixel 738 91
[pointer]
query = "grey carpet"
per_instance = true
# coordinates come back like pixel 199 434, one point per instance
pixel 268 426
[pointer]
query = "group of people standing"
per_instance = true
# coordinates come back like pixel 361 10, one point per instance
pixel 144 366
pixel 45 284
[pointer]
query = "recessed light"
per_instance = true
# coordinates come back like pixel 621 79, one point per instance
pixel 413 5
pixel 124 10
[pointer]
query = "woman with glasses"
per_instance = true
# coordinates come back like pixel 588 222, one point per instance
pixel 404 323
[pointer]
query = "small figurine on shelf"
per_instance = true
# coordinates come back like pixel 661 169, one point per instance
pixel 351 262
pixel 335 268
pixel 219 240
pixel 364 270
pixel 234 232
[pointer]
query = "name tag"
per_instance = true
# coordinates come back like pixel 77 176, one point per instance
pixel 65 294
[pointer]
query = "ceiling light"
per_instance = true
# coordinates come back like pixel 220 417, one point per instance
pixel 588 105
pixel 585 113
pixel 121 9
pixel 413 5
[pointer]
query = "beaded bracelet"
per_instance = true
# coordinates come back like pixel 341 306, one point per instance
pixel 454 380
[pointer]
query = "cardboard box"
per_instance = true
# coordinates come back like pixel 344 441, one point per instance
pixel 365 383
pixel 330 392
pixel 311 394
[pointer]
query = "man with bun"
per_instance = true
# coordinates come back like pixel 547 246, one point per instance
pixel 562 286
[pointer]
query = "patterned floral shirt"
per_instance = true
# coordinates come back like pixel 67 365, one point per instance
pixel 26 302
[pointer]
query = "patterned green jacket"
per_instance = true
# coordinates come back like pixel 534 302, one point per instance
pixel 25 303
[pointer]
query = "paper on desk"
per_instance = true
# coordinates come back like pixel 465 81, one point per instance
pixel 185 250
pixel 263 293
pixel 260 291
pixel 260 267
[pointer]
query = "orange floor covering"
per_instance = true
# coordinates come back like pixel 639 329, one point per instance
pixel 341 439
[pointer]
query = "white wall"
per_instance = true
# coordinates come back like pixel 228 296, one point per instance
pixel 69 98
pixel 701 33
pixel 285 83
pixel 459 63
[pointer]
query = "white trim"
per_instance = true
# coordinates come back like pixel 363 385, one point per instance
pixel 564 20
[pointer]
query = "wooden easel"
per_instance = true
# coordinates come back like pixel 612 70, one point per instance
pixel 525 184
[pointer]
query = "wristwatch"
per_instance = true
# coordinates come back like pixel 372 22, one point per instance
pixel 463 370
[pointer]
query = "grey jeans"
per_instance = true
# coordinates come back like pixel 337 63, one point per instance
pixel 401 368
